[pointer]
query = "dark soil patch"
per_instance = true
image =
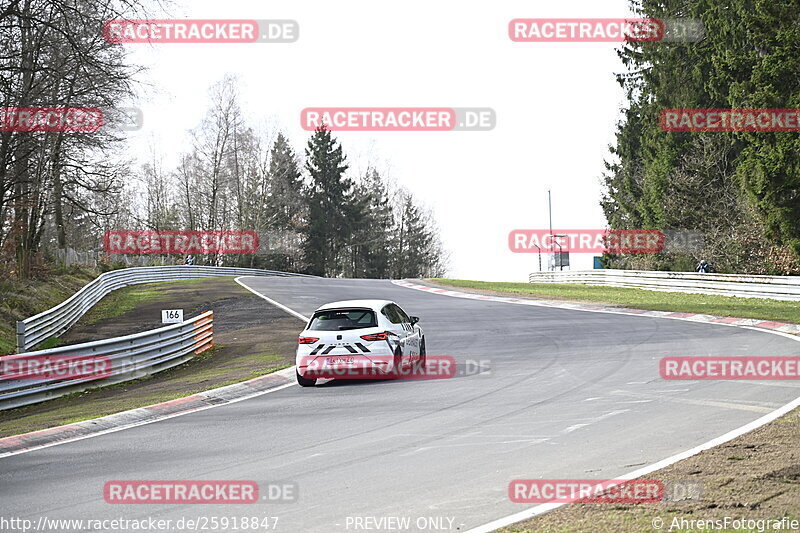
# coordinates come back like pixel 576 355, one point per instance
pixel 251 338
pixel 233 306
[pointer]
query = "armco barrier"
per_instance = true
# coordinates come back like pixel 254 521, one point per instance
pixel 55 321
pixel 131 357
pixel 749 286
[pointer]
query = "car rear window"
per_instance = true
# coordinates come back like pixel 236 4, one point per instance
pixel 341 319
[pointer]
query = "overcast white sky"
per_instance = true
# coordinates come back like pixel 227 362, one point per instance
pixel 556 104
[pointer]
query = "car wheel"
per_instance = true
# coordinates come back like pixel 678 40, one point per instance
pixel 398 361
pixel 422 355
pixel 304 382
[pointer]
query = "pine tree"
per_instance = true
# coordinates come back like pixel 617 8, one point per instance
pixel 371 248
pixel 747 59
pixel 328 197
pixel 414 242
pixel 285 185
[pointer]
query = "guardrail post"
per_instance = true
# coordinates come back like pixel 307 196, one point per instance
pixel 20 336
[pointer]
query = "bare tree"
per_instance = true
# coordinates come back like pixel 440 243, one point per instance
pixel 53 54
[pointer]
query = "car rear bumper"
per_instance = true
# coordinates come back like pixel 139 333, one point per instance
pixel 344 366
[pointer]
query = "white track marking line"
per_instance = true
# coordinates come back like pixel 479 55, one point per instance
pixel 546 507
pixel 255 394
pixel 609 415
pixel 145 422
pixel 743 405
pixel 526 441
pixel 270 300
pixel 591 421
pixel 781 384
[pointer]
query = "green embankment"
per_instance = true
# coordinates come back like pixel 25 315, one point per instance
pixel 708 304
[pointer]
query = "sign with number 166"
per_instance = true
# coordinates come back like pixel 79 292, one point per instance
pixel 171 316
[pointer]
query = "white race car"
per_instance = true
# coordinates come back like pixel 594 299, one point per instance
pixel 359 338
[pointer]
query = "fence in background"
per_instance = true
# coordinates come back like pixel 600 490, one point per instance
pixel 749 286
pixel 92 258
pixel 55 321
pixel 128 357
pixel 70 257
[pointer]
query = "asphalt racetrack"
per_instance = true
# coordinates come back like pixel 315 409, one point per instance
pixel 568 394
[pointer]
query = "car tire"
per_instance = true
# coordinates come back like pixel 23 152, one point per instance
pixel 422 355
pixel 304 382
pixel 398 361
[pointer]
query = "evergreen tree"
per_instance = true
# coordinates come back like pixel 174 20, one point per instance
pixel 414 242
pixel 328 197
pixel 705 181
pixel 285 185
pixel 371 248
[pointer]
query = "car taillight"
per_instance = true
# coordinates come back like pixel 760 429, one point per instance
pixel 376 337
pixel 307 340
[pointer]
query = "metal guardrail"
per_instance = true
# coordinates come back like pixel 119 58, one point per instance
pixel 128 357
pixel 55 321
pixel 742 285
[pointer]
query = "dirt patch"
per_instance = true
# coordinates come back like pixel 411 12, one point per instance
pixel 251 338
pixel 233 308
pixel 753 477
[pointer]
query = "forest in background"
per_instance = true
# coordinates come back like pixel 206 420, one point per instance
pixel 63 190
pixel 741 190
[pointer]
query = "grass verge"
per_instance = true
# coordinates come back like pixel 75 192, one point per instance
pixel 252 338
pixel 20 299
pixel 709 304
pixel 126 299
pixel 753 477
pixel 204 372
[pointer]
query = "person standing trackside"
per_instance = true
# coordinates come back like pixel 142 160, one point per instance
pixel 189 260
pixel 703 267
